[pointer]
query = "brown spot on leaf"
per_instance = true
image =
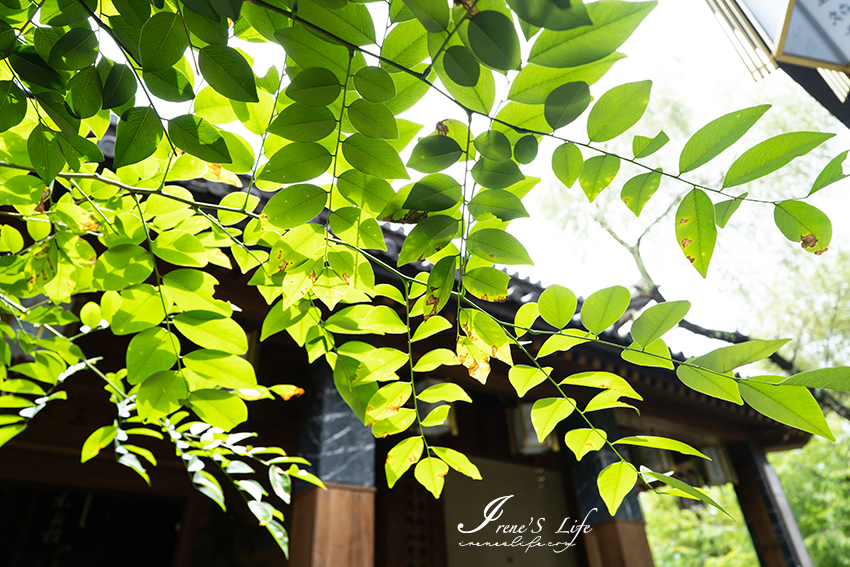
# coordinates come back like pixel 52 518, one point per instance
pixel 684 221
pixel 215 169
pixel 685 242
pixel 484 297
pixel 626 200
pixel 442 128
pixel 442 474
pixel 313 277
pixel 819 252
pixel 808 241
pixel 691 259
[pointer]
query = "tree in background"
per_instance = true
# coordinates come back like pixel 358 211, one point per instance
pixel 321 137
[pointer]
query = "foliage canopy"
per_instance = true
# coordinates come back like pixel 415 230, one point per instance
pixel 321 134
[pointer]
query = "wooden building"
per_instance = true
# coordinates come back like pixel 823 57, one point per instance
pixel 55 511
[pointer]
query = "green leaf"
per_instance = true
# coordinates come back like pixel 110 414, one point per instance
pixel 695 493
pixel 374 84
pixel 355 226
pixel 76 49
pixel 644 147
pixel 180 248
pixel 406 45
pixel 710 383
pixel 13 105
pixel 524 378
pixel 801 222
pixel 772 154
pixel 351 22
pixel 566 103
pixel 44 153
pixel 432 360
pixel 639 190
pixel 656 354
pixel 151 351
pixel 119 88
pixel 197 137
pixel 137 136
pixel 461 66
pixel 140 308
pixel 430 472
pixel 496 174
pixel 597 173
pixel 479 98
pixel 122 265
pixel 437 416
pixel 603 308
pixel 436 192
pixel 32 69
pixel 427 237
pixel 401 457
pixel 583 441
pixel 434 153
pixel 557 305
pixel 458 461
pixel 525 150
pixel 534 83
pixel 613 23
pixel 162 41
pixel 617 110
pixel 169 84
pixel 211 330
pixel 434 15
pixel 499 203
pixel 370 193
pixel 226 70
pixel 219 408
pixel 446 392
pixel 294 205
pixel 831 173
pixel 657 320
pixel 493 39
pixel 558 16
pixel 85 93
pixel 373 157
pixel 567 163
pixel 387 401
pixel 373 119
pixel 498 246
pixel 382 319
pixel 615 482
pixel 315 86
pixel 223 369
pixel 493 145
pixel 309 50
pixel 430 327
pixel 696 231
pixel 836 378
pixel 296 162
pixel 791 405
pixel 9 431
pixel 661 443
pixel 710 140
pixel 724 210
pixel 160 395
pixel 440 285
pixel 99 439
pixel 301 123
pixel 548 413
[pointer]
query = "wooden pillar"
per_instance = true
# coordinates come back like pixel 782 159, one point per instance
pixel 776 537
pixel 333 527
pixel 613 541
